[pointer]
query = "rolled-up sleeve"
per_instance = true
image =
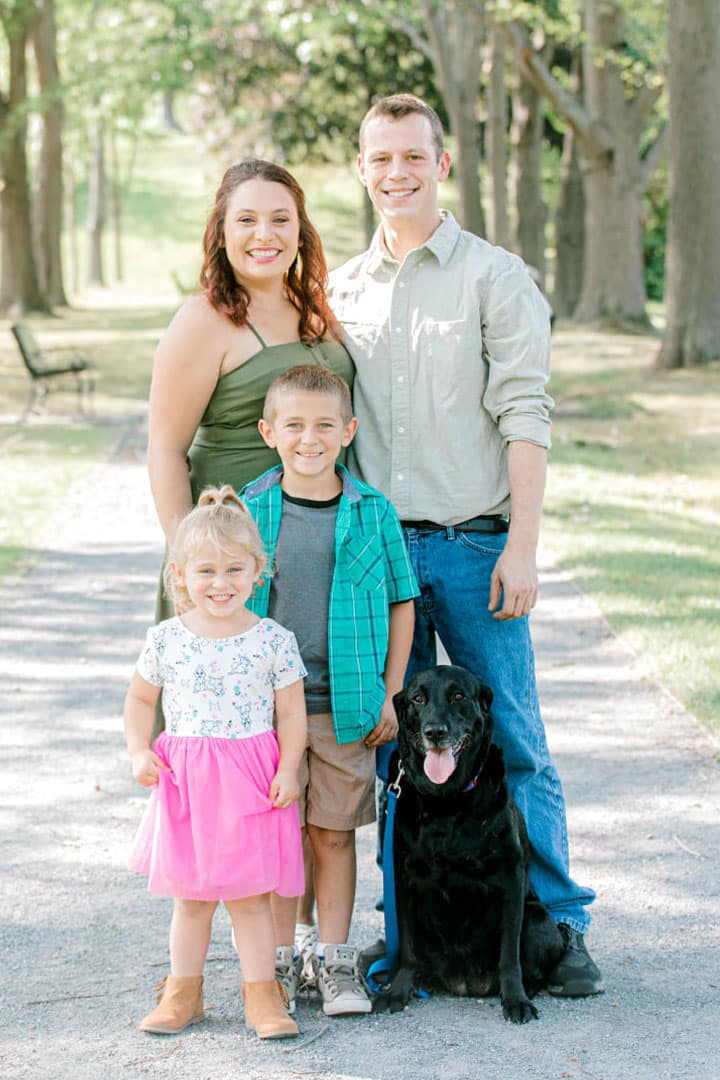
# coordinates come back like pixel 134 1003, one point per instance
pixel 399 576
pixel 516 349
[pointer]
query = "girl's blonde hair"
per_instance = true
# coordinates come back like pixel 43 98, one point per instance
pixel 221 519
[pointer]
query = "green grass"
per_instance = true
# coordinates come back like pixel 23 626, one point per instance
pixel 166 207
pixel 37 466
pixel 633 503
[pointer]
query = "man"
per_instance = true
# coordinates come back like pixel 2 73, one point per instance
pixel 450 338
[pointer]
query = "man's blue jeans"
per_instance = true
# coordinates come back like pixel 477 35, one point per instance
pixel 453 571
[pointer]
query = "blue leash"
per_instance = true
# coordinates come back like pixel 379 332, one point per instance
pixel 381 972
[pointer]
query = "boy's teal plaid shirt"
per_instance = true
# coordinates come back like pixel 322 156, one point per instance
pixel 372 571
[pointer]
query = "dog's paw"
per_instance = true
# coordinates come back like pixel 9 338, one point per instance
pixel 398 993
pixel 389 1003
pixel 519 1011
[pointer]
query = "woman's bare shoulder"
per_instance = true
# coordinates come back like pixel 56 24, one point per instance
pixel 197 322
pixel 198 311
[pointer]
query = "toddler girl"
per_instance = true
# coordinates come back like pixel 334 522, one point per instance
pixel 221 823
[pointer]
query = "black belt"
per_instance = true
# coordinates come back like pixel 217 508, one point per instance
pixel 483 523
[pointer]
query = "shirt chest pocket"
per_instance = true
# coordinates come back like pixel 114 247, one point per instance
pixel 449 353
pixel 363 563
pixel 451 337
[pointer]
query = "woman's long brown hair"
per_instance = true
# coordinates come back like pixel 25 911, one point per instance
pixel 307 277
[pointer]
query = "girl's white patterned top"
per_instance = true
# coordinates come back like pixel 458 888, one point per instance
pixel 220 687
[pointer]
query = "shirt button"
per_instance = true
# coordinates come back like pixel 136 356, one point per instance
pixel 398 329
pixel 400 378
pixel 401 476
pixel 401 284
pixel 401 430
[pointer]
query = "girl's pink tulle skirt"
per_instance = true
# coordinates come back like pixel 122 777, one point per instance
pixel 209 831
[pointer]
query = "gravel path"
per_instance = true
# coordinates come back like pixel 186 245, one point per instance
pixel 81 941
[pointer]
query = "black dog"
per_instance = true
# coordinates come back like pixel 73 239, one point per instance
pixel 468 921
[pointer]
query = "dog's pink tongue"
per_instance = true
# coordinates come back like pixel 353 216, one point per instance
pixel 439 765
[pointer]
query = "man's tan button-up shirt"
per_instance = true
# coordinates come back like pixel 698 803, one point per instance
pixel 452 350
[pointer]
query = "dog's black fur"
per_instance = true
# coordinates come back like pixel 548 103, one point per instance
pixel 468 921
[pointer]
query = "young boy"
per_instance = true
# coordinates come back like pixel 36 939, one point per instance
pixel 342 582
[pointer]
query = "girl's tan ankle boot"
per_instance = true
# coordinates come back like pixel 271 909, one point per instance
pixel 266 1005
pixel 180 1003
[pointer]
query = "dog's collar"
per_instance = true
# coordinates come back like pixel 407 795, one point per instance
pixel 473 783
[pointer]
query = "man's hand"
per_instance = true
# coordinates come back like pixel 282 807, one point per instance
pixel 386 728
pixel 515 576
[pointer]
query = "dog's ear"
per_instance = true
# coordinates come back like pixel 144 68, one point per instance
pixel 400 703
pixel 484 696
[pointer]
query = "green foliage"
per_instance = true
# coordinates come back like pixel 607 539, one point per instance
pixel 349 53
pixel 288 79
pixel 293 79
pixel 657 208
pixel 164 213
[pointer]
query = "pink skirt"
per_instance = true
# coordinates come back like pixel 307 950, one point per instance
pixel 209 831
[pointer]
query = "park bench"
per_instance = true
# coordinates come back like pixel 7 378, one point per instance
pixel 44 369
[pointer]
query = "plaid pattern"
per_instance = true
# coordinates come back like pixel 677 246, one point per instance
pixel 372 571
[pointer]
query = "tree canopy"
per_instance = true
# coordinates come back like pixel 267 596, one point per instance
pixel 529 91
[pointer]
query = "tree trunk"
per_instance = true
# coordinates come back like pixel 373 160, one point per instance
pixel 496 142
pixel 614 274
pixel 467 167
pixel 368 217
pixel 692 269
pixel 48 188
pixel 73 255
pixel 455 30
pixel 526 173
pixel 609 128
pixel 96 208
pixel 116 206
pixel 569 231
pixel 19 288
pixel 169 120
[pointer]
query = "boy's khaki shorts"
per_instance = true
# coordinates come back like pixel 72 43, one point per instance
pixel 337 781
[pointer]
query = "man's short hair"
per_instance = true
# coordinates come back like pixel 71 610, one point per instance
pixel 311 378
pixel 396 106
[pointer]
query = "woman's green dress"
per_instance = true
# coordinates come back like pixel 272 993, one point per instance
pixel 228 448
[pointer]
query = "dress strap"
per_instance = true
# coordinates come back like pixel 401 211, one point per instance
pixel 255 332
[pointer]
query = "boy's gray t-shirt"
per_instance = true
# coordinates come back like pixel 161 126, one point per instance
pixel 300 587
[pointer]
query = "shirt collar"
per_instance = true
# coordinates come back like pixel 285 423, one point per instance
pixel 273 477
pixel 441 244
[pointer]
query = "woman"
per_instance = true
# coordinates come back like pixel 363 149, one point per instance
pixel 261 309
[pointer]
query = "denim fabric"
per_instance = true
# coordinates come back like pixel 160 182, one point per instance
pixel 453 571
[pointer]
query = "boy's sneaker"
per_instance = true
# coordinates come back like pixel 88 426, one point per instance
pixel 286 972
pixel 575 974
pixel 306 938
pixel 339 982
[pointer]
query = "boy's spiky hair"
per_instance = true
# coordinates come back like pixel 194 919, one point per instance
pixel 313 379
